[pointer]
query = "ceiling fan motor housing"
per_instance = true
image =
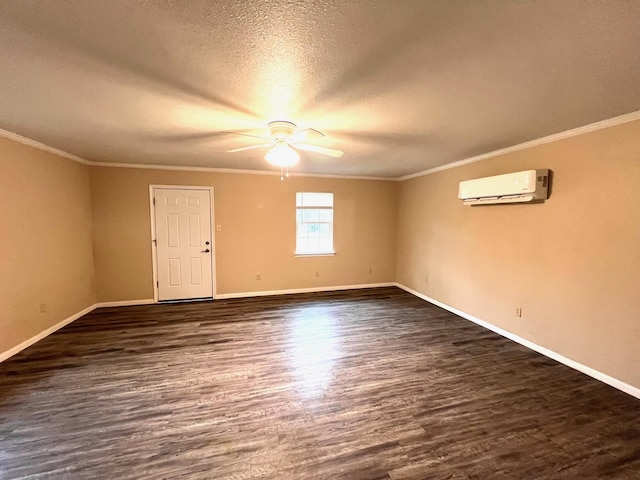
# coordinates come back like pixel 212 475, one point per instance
pixel 281 129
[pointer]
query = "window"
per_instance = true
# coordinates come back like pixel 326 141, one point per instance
pixel 314 223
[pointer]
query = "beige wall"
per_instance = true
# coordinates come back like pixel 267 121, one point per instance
pixel 45 238
pixel 572 263
pixel 257 216
pixel 72 235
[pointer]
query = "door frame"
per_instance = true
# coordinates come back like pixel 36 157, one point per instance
pixel 154 249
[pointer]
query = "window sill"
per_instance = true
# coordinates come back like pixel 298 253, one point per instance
pixel 323 254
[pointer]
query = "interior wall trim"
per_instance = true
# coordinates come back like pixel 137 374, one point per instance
pixel 592 372
pixel 45 333
pixel 603 377
pixel 148 301
pixel 222 296
pixel 236 171
pixel 610 122
pixel 41 146
pixel 61 153
pixel 125 303
pixel 629 117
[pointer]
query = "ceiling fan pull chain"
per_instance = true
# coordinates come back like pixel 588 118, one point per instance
pixel 284 172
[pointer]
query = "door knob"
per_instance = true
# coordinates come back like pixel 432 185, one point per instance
pixel 205 251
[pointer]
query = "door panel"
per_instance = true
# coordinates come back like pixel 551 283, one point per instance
pixel 184 252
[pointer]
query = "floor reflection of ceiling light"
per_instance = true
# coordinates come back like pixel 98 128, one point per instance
pixel 313 349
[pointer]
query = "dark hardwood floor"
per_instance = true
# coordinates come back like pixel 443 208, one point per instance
pixel 364 384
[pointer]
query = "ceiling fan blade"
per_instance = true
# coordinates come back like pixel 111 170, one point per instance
pixel 249 148
pixel 247 135
pixel 188 136
pixel 306 133
pixel 324 151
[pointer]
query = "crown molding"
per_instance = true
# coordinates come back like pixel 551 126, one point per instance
pixel 61 153
pixel 41 146
pixel 235 171
pixel 629 117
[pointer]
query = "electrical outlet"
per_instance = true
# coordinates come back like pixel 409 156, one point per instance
pixel 518 311
pixel 218 228
pixel 258 277
pixel 43 308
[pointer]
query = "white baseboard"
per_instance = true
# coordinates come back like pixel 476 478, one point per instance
pixel 265 293
pixel 45 333
pixel 125 303
pixel 614 382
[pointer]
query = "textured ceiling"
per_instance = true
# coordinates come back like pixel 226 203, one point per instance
pixel 401 86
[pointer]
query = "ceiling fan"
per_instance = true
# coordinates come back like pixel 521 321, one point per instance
pixel 285 141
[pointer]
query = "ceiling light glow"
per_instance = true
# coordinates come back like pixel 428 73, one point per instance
pixel 282 155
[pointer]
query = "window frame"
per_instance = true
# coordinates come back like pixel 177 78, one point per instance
pixel 299 207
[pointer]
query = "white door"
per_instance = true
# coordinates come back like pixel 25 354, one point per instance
pixel 184 247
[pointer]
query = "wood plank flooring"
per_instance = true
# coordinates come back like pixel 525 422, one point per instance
pixel 365 384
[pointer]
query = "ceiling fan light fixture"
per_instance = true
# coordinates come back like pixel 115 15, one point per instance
pixel 282 155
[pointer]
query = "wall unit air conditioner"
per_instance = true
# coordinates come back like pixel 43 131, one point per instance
pixel 517 187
